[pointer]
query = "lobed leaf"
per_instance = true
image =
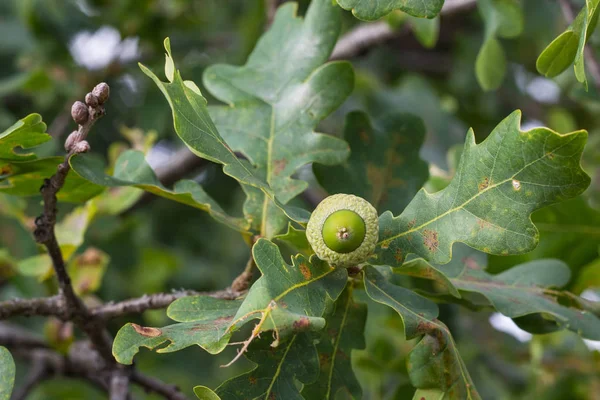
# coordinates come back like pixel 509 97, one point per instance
pixel 275 101
pixel 7 374
pixel 520 291
pixel 372 10
pixel 196 129
pixel 384 166
pixel 287 294
pixel 26 133
pixel 488 203
pixel 205 323
pixel 132 170
pixel 344 332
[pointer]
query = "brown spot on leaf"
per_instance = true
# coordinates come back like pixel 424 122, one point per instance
pixel 5 169
pixel 398 256
pixel 550 156
pixel 430 239
pixel 385 244
pixel 305 271
pixel 411 223
pixel 484 184
pixel 323 359
pixel 279 166
pixel 252 380
pixel 146 331
pixel 302 324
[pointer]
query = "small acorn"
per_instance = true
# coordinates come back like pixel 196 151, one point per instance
pixel 343 229
pixel 101 91
pixel 79 112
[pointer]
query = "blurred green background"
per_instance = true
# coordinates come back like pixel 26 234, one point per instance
pixel 54 51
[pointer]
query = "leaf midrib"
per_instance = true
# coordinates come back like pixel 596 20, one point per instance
pixel 336 345
pixel 278 370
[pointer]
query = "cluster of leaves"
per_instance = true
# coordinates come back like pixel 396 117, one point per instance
pixel 272 107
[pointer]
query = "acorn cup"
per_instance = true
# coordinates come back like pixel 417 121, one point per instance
pixel 343 230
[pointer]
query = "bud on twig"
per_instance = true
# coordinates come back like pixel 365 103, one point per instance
pixel 79 112
pixel 71 140
pixel 101 91
pixel 91 100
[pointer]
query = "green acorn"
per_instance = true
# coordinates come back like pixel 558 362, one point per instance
pixel 343 229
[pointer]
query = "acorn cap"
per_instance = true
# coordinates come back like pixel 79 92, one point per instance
pixel 343 229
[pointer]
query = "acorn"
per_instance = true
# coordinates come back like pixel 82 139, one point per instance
pixel 101 91
pixel 79 112
pixel 343 230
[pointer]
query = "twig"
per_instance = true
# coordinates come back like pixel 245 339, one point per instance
pixel 119 385
pixel 154 302
pixel 242 282
pixel 46 306
pixel 84 362
pixel 17 337
pixel 86 116
pixel 365 36
pixel 170 392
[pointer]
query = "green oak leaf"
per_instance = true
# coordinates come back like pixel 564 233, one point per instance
pixel 24 178
pixel 372 10
pixel 435 362
pixel 436 368
pixel 196 129
pixel 131 169
pixel 204 393
pixel 426 31
pixel 294 293
pixel 488 203
pixel 203 321
pixel 522 290
pixel 278 371
pixel 344 332
pixel 569 231
pixel 26 133
pixel 296 238
pixel 384 167
pixel 275 101
pixel 7 374
pixel 568 48
pixel 503 19
pixel 414 309
pixel 22 173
